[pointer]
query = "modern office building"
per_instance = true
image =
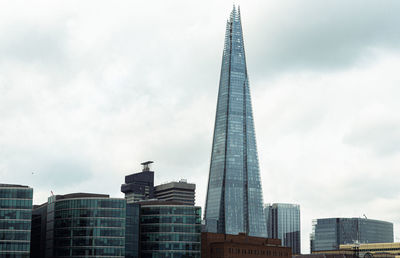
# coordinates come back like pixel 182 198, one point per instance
pixel 132 232
pixel 234 202
pixel 169 229
pixel 214 245
pixel 80 225
pixel 15 220
pixel 283 222
pixel 330 233
pixel 180 191
pixel 38 233
pixel 139 186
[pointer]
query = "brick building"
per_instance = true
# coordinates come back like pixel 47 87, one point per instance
pixel 214 245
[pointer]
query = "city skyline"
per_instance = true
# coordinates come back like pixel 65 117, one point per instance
pixel 88 92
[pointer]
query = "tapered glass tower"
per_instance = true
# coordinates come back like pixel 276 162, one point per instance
pixel 234 197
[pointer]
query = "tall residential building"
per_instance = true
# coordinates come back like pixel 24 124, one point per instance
pixel 283 222
pixel 330 233
pixel 234 202
pixel 80 225
pixel 139 186
pixel 15 220
pixel 180 191
pixel 169 229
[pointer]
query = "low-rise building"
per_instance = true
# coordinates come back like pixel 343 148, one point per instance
pixel 328 234
pixel 214 245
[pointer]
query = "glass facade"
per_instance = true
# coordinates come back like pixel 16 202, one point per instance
pixel 83 225
pixel 15 220
pixel 329 233
pixel 234 197
pixel 170 231
pixel 283 222
pixel 132 230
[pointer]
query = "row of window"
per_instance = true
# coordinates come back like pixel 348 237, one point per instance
pixel 171 228
pixel 90 242
pixel 171 210
pixel 117 213
pixel 16 193
pixel 12 246
pixel 191 237
pixel 170 254
pixel 109 251
pixel 90 232
pixel 15 214
pixel 15 204
pixel 90 203
pixel 251 251
pixel 15 224
pixel 170 246
pixel 170 219
pixel 89 222
pixel 15 235
pixel 7 254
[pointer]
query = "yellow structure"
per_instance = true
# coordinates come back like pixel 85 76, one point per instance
pixel 381 250
pixel 373 250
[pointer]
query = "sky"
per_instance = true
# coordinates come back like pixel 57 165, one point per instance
pixel 90 89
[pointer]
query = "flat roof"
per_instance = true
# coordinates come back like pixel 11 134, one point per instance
pixel 13 186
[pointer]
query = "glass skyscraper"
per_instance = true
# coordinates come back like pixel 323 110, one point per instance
pixel 15 220
pixel 328 234
pixel 234 197
pixel 283 222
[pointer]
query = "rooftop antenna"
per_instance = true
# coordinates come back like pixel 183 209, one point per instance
pixel 146 165
pixel 365 216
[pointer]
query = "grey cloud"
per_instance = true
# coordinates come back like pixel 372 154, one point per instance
pixel 381 137
pixel 33 43
pixel 322 35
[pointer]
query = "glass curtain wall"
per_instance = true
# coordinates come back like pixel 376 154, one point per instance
pixel 15 220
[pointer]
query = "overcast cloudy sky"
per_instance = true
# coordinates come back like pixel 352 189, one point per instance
pixel 89 89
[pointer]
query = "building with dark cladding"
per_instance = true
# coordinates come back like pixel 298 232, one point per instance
pixel 169 229
pixel 328 234
pixel 215 245
pixel 176 192
pixel 132 236
pixel 234 202
pixel 139 186
pixel 79 225
pixel 15 220
pixel 283 222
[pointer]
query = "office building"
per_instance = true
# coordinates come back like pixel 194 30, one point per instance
pixel 214 245
pixel 234 202
pixel 330 233
pixel 169 229
pixel 81 225
pixel 132 232
pixel 176 192
pixel 15 220
pixel 283 222
pixel 139 186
